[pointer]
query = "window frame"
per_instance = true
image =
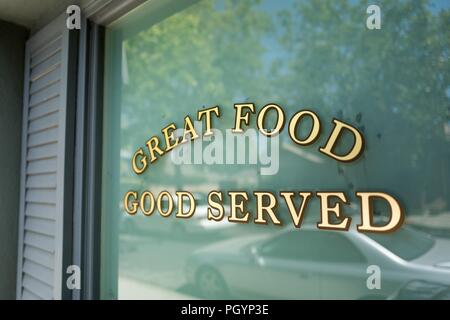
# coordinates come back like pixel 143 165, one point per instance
pixel 88 141
pixel 87 218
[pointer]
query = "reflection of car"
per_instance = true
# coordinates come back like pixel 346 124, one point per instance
pixel 420 290
pixel 435 224
pixel 313 264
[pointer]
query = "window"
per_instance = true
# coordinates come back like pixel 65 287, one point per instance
pixel 164 62
pixel 407 243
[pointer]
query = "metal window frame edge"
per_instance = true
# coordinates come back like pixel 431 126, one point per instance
pixel 97 15
pixel 88 158
pixel 104 12
pixel 86 225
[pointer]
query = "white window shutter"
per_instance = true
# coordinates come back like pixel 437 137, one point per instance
pixel 45 173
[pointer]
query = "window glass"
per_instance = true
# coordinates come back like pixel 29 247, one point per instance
pixel 285 246
pixel 408 244
pixel 313 246
pixel 166 60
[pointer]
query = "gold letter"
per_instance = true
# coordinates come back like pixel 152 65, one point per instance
pixel 239 118
pixel 168 135
pixel 143 161
pixel 356 149
pixel 215 205
pixel 152 146
pixel 366 213
pixel 190 130
pixel 207 112
pixel 326 209
pixel 260 208
pixel 192 205
pixel 152 203
pixel 297 217
pixel 167 213
pixel 315 129
pixel 280 120
pixel 126 200
pixel 234 205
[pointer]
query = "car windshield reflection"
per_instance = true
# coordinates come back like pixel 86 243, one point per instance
pixel 407 243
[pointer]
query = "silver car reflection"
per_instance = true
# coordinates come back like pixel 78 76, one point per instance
pixel 317 264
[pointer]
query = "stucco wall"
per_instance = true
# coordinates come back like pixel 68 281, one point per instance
pixel 12 49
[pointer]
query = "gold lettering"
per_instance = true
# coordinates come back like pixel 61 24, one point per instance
pixel 239 117
pixel 237 207
pixel 215 205
pixel 280 120
pixel 315 129
pixel 325 210
pixel 356 149
pixel 366 225
pixel 207 113
pixel 297 216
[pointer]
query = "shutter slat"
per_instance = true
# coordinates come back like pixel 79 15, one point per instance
pixel 42 181
pixel 45 81
pixel 44 109
pixel 46 94
pixel 44 123
pixel 28 295
pixel 39 256
pixel 42 152
pixel 40 210
pixel 37 287
pixel 39 241
pixel 45 67
pixel 41 195
pixel 46 51
pixel 43 137
pixel 39 272
pixel 38 225
pixel 42 166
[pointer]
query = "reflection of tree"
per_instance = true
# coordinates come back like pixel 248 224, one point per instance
pixel 202 56
pixel 392 82
pixel 335 61
pixel 178 65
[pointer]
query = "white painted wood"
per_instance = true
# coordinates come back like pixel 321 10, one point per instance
pixel 39 225
pixel 45 81
pixel 42 152
pixel 46 181
pixel 46 94
pixel 38 271
pixel 46 196
pixel 27 295
pixel 37 287
pixel 46 52
pixel 42 166
pixel 43 137
pixel 45 108
pixel 40 256
pixel 40 210
pixel 44 123
pixel 45 67
pixel 40 241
